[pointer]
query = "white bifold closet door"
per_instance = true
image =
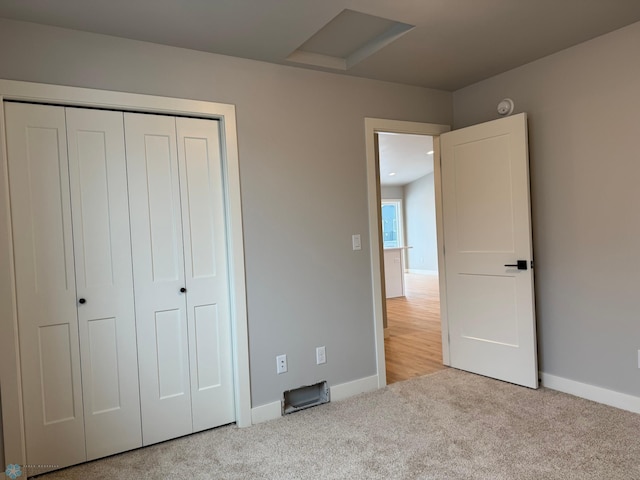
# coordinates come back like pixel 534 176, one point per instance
pixel 180 271
pixel 118 224
pixel 45 284
pixel 74 282
pixel 104 279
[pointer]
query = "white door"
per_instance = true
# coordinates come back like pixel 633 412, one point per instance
pixel 104 281
pixel 45 284
pixel 203 224
pixel 159 280
pixel 487 228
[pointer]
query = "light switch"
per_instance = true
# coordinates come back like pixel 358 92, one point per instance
pixel 355 240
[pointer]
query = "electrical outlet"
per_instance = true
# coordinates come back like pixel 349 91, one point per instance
pixel 321 355
pixel 281 364
pixel 638 358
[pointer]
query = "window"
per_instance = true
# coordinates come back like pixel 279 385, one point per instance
pixel 392 235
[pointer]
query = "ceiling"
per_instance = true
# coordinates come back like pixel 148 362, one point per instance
pixel 454 43
pixel 405 156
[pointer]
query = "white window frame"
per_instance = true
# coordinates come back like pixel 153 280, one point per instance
pixel 399 208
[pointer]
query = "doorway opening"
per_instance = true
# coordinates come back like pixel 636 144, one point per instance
pixel 412 327
pixel 374 127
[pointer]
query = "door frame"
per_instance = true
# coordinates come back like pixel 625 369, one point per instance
pixel 11 391
pixel 372 127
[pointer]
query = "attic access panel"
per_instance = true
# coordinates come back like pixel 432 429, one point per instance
pixel 348 39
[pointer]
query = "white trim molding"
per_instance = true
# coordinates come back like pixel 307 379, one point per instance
pixel 264 413
pixel 349 389
pixel 591 392
pixel 12 414
pixel 372 126
pixel 273 410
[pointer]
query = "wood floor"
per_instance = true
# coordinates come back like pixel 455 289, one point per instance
pixel 413 337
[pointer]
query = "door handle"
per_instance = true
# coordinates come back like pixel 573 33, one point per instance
pixel 183 290
pixel 82 301
pixel 520 265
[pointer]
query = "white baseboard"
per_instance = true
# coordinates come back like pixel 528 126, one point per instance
pixel 349 389
pixel 591 392
pixel 267 412
pixel 273 410
pixel 421 272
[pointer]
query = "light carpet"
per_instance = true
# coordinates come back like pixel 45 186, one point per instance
pixel 448 425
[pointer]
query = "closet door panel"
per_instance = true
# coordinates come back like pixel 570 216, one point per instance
pixel 45 284
pixel 204 233
pixel 158 263
pixel 100 213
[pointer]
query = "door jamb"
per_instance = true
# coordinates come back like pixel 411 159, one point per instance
pixel 11 400
pixel 372 127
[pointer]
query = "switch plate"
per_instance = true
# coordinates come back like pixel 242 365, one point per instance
pixel 355 240
pixel 281 364
pixel 321 355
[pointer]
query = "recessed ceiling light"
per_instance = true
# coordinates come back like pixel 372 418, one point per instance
pixel 392 174
pixel 430 152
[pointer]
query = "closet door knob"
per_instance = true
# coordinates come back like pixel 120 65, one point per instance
pixel 82 301
pixel 182 290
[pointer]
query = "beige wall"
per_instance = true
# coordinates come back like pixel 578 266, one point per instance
pixel 303 180
pixel 584 118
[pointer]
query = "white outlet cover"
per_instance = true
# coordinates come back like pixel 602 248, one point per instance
pixel 281 364
pixel 321 355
